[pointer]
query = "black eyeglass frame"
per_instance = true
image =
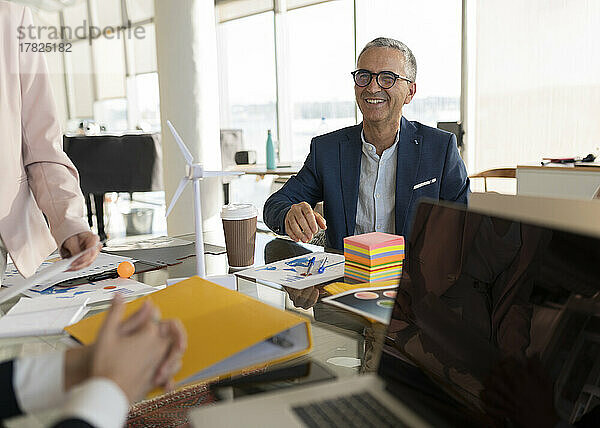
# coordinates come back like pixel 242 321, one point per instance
pixel 371 74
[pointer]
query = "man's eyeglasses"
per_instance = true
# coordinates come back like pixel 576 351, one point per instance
pixel 385 79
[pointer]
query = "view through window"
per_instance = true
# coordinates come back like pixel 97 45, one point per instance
pixel 248 80
pixel 321 46
pixel 434 39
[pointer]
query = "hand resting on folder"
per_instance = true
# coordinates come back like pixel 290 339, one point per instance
pixel 138 354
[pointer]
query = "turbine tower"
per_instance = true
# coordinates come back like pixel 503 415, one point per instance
pixel 194 172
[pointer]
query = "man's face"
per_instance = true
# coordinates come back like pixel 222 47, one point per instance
pixel 375 103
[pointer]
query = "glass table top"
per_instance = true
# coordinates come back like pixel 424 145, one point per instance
pixel 343 343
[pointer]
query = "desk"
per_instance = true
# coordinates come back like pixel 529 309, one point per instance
pixel 558 181
pixel 114 163
pixel 260 171
pixel 335 332
pixel 287 169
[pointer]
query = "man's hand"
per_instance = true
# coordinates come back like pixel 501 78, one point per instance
pixel 302 222
pixel 138 354
pixel 305 298
pixel 76 244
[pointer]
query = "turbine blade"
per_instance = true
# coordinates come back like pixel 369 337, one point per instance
pixel 184 150
pixel 221 173
pixel 184 181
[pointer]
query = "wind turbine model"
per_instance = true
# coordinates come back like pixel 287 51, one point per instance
pixel 194 172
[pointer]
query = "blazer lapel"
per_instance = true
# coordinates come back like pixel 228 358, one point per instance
pixel 407 167
pixel 350 154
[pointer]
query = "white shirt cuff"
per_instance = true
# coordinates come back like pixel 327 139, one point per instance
pixel 38 381
pixel 99 402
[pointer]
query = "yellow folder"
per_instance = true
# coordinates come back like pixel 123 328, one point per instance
pixel 228 332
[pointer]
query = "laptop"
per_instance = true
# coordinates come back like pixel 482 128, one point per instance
pixel 476 288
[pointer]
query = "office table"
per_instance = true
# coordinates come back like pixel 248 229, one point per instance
pixel 344 343
pixel 114 163
pixel 285 169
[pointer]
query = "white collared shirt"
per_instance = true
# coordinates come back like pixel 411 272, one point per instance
pixel 375 211
pixel 38 382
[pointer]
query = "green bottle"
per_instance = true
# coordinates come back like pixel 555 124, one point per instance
pixel 270 152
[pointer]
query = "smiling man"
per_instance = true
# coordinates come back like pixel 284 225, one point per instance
pixel 372 175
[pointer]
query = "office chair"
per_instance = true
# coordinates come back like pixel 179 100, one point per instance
pixel 495 173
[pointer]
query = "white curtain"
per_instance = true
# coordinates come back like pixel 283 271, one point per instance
pixel 537 81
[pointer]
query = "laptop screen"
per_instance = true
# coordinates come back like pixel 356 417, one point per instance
pixel 498 314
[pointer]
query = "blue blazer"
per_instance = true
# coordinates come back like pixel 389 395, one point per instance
pixel 331 174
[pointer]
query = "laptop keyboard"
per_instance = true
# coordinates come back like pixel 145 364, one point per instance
pixel 356 410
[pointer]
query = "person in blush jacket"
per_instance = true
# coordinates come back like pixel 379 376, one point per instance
pixel 93 385
pixel 37 178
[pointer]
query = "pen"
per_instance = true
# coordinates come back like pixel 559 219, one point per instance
pixel 322 267
pixel 311 262
pixel 104 275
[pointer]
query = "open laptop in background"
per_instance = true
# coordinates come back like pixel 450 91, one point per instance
pixel 475 289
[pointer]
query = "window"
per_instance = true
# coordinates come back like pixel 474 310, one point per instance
pixel 144 51
pixel 540 98
pixel 112 114
pixel 140 10
pixel 98 78
pixel 78 64
pixel 435 40
pixel 110 73
pixel 147 102
pixel 247 79
pixel 321 57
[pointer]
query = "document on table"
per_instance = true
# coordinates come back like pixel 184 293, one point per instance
pixel 41 316
pixel 16 284
pixel 156 242
pixel 54 270
pixel 227 281
pixel 300 272
pixel 96 292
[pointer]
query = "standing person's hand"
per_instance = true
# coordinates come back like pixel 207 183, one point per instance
pixel 133 361
pixel 78 243
pixel 302 222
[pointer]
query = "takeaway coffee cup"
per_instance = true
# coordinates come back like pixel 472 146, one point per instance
pixel 239 224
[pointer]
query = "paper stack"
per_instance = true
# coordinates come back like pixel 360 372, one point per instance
pixel 373 256
pixel 42 316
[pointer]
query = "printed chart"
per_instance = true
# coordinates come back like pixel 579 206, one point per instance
pixel 374 303
pixel 300 272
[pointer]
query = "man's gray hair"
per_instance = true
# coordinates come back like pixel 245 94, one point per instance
pixel 410 63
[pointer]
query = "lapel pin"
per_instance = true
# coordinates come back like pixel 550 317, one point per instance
pixel 417 142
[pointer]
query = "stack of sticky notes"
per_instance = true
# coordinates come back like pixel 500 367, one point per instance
pixel 374 256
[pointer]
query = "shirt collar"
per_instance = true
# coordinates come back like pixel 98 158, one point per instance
pixel 369 149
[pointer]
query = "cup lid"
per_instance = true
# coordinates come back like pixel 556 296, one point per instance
pixel 238 211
